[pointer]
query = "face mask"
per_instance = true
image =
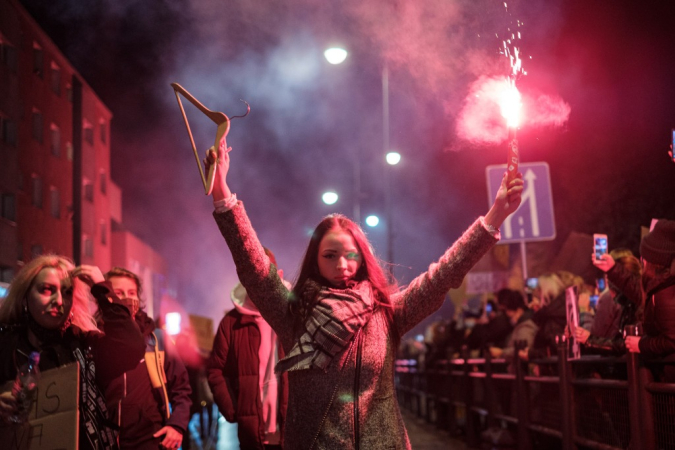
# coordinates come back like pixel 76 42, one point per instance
pixel 132 305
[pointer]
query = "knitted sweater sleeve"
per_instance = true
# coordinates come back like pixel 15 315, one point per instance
pixel 425 294
pixel 255 270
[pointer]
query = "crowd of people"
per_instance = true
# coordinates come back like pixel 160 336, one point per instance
pixel 311 365
pixel 629 294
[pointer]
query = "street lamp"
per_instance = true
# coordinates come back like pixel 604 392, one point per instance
pixel 329 198
pixel 336 55
pixel 372 221
pixel 393 158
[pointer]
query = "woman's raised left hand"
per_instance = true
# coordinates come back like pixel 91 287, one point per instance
pixel 507 200
pixel 89 274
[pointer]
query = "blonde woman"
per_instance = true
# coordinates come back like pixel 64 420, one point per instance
pixel 47 310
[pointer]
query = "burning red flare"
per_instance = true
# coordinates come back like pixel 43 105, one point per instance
pixel 510 103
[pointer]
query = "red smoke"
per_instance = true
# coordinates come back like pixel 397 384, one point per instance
pixel 480 121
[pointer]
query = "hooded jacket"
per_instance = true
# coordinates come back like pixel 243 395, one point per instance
pixel 241 374
pixel 364 411
pixel 141 410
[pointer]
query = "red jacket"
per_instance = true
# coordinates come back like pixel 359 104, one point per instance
pixel 233 374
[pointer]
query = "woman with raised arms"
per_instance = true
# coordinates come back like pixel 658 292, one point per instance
pixel 341 323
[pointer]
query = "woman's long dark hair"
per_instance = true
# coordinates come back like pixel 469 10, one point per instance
pixel 370 269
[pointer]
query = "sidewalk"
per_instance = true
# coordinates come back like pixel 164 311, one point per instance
pixel 422 435
pixel 427 437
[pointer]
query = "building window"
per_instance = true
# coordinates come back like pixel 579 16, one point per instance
pixel 103 131
pixel 38 60
pixel 37 126
pixel 69 151
pixel 55 202
pixel 9 207
pixel 88 132
pixel 55 140
pixel 8 56
pixel 8 130
pixel 88 246
pixel 56 79
pixel 103 179
pixel 6 274
pixel 88 190
pixel 35 251
pixel 37 191
pixel 104 233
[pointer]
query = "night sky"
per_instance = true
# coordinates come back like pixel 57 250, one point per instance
pixel 611 62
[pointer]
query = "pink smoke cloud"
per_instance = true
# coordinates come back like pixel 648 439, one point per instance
pixel 480 120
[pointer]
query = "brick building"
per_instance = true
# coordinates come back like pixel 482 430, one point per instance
pixel 55 186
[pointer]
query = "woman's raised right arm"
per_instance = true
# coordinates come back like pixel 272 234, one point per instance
pixel 254 268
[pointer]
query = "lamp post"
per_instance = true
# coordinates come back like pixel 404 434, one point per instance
pixel 336 55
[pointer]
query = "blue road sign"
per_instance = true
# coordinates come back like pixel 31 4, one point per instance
pixel 534 219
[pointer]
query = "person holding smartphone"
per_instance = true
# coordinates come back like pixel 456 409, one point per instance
pixel 593 341
pixel 656 292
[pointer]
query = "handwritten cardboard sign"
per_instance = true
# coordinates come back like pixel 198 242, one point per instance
pixel 54 416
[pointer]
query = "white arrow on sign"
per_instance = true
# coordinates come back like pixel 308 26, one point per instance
pixel 528 195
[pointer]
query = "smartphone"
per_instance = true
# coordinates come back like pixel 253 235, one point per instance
pixel 532 283
pixel 672 144
pixel 594 301
pixel 600 245
pixel 488 308
pixel 601 283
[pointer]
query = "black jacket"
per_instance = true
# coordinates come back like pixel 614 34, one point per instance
pixel 120 348
pixel 137 407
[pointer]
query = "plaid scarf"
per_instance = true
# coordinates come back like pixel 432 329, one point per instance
pixel 337 315
pixel 94 415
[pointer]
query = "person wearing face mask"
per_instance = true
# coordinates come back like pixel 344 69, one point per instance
pixel 341 323
pixel 151 403
pixel 655 292
pixel 47 310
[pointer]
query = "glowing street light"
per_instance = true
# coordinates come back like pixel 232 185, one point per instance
pixel 372 220
pixel 329 198
pixel 335 55
pixel 393 158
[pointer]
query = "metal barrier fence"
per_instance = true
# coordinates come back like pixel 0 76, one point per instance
pixel 589 403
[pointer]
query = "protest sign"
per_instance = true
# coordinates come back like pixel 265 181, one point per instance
pixel 53 419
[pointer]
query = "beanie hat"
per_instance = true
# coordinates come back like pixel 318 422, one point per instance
pixel 658 247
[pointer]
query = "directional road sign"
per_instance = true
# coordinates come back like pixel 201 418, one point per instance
pixel 534 219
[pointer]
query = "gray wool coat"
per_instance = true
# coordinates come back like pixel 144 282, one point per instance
pixel 312 420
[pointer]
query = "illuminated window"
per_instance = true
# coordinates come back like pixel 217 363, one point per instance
pixel 55 140
pixel 88 246
pixel 37 191
pixel 104 233
pixel 37 125
pixel 55 202
pixel 38 60
pixel 56 79
pixel 35 251
pixel 88 132
pixel 8 131
pixel 103 180
pixel 9 207
pixel 88 190
pixel 8 56
pixel 6 275
pixel 103 131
